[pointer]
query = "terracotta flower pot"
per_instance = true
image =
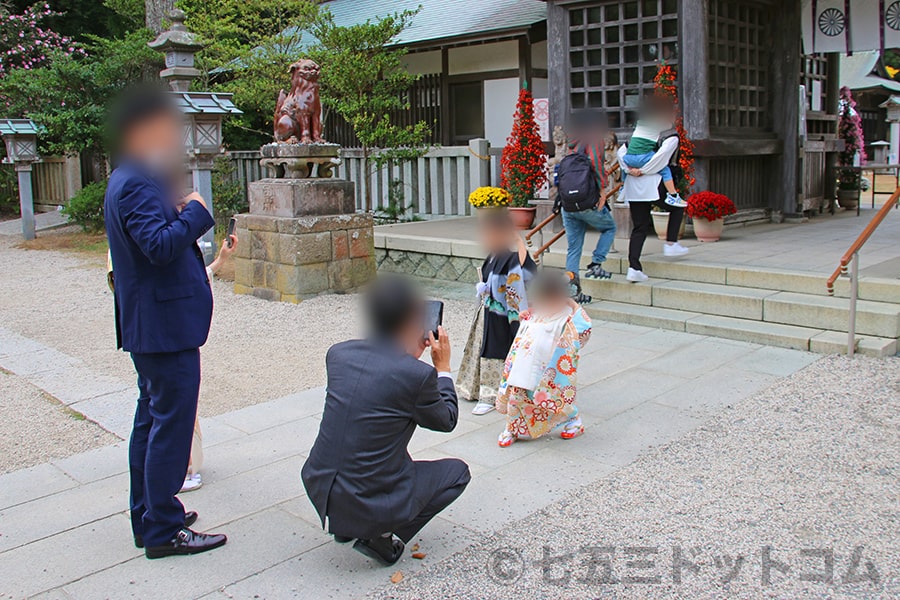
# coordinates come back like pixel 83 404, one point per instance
pixel 522 216
pixel 708 231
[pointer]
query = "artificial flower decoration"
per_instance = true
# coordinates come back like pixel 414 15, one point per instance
pixel 665 85
pixel 523 164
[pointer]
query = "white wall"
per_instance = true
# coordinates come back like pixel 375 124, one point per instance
pixel 423 63
pixel 539 55
pixel 500 96
pixel 484 57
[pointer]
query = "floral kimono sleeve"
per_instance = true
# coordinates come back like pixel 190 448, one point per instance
pixel 582 323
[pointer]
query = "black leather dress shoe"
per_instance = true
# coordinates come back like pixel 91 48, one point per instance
pixel 385 550
pixel 340 539
pixel 190 517
pixel 187 541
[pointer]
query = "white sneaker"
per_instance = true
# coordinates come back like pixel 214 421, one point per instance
pixel 675 200
pixel 192 482
pixel 483 408
pixel 636 276
pixel 675 249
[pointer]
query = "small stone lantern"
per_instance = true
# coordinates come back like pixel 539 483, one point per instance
pixel 203 112
pixel 20 137
pixel 892 107
pixel 179 45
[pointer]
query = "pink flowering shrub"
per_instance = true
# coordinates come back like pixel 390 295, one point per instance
pixel 25 44
pixel 850 130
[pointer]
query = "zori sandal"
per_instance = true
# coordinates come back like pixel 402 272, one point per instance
pixel 506 439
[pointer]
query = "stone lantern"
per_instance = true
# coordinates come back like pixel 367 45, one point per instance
pixel 892 106
pixel 20 137
pixel 203 112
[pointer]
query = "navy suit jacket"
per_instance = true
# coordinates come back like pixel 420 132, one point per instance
pixel 162 294
pixel 359 473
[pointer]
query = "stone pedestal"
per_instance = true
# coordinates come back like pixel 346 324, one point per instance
pixel 302 238
pixel 624 224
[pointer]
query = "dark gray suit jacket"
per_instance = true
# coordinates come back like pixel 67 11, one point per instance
pixel 359 473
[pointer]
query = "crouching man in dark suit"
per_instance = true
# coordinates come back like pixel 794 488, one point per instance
pixel 163 305
pixel 359 475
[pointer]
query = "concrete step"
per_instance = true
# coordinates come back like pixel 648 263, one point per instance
pixel 745 330
pixel 712 299
pixel 878 319
pixel 636 314
pixel 824 313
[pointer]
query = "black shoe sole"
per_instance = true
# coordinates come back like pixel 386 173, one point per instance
pixel 606 276
pixel 366 550
pixel 343 540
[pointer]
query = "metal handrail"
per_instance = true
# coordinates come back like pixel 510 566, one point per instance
pixel 851 257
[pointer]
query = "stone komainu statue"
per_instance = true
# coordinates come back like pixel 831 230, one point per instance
pixel 298 114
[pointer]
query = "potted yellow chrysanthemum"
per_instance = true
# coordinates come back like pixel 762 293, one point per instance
pixel 489 197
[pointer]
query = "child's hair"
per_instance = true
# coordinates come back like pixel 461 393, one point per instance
pixel 496 219
pixel 550 284
pixel 654 105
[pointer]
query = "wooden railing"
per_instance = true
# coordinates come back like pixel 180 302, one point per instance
pixel 436 184
pixel 851 258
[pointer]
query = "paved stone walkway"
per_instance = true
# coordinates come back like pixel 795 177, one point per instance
pixel 42 222
pixel 64 533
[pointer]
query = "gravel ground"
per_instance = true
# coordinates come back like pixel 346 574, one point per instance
pixel 804 473
pixel 38 428
pixel 257 350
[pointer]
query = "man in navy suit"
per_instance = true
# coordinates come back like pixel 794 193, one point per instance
pixel 359 475
pixel 163 304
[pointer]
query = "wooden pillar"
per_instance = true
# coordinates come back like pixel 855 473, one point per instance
pixel 694 78
pixel 445 96
pixel 525 68
pixel 832 97
pixel 558 73
pixel 785 88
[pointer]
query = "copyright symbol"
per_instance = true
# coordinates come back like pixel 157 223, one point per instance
pixel 505 565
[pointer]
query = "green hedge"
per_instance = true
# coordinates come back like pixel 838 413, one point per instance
pixel 86 207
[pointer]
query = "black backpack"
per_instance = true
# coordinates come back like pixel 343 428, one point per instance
pixel 577 185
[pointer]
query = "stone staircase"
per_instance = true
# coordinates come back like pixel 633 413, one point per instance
pixel 764 306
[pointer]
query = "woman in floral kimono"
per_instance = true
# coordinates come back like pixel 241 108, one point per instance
pixel 537 391
pixel 501 292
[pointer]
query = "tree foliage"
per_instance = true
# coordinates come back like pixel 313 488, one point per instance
pixel 70 93
pixel 249 48
pixel 364 81
pixel 27 42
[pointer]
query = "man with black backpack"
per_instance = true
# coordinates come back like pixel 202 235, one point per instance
pixel 579 178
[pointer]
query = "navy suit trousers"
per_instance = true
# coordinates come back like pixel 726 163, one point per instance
pixel 160 450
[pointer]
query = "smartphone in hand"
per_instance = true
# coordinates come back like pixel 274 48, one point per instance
pixel 434 316
pixel 231 225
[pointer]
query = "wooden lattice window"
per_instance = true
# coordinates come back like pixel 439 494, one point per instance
pixel 738 64
pixel 815 80
pixel 614 51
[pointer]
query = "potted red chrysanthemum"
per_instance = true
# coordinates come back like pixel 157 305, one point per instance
pixel 708 211
pixel 523 164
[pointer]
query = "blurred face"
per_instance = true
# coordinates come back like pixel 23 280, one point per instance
pixel 157 142
pixel 495 238
pixel 550 304
pixel 412 336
